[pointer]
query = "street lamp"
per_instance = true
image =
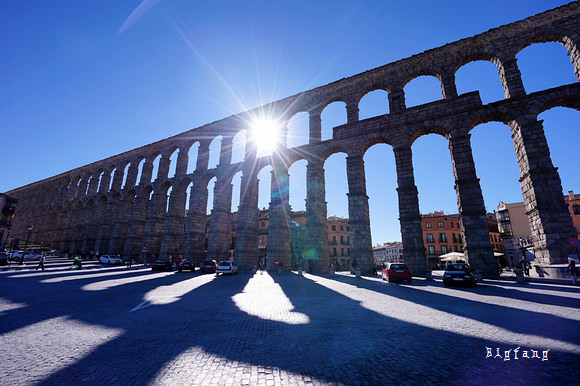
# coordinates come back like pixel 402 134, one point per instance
pixel 30 228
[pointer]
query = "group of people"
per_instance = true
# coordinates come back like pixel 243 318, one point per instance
pixel 175 261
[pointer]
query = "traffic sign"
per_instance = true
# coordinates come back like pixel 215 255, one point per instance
pixel 277 262
pixel 575 242
pixel 144 248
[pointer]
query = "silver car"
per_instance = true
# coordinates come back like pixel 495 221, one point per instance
pixel 226 266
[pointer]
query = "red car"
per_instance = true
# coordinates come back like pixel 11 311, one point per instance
pixel 208 266
pixel 396 272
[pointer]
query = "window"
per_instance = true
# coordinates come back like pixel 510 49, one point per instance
pixel 576 209
pixel 451 225
pixel 430 238
pixel 440 224
pixel 443 249
pixel 454 236
pixel 347 228
pixel 334 239
pixel 333 251
pixel 342 239
pixel 341 228
pixel 428 225
pixel 431 250
pixel 334 227
pixel 442 238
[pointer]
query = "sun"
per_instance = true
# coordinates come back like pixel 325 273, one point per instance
pixel 266 135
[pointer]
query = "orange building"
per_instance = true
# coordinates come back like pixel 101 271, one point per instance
pixel 442 234
pixel 339 242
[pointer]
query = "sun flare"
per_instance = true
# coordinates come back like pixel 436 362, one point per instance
pixel 266 135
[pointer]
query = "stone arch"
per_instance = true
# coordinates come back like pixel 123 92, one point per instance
pixel 372 95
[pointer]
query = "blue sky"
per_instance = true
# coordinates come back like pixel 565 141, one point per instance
pixel 81 81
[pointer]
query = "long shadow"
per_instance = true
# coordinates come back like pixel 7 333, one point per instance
pixel 516 320
pixel 16 289
pixel 342 343
pixel 515 290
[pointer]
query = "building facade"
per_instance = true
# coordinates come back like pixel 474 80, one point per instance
pixel 339 242
pixel 105 206
pixel 514 227
pixel 442 234
pixel 8 210
pixel 388 253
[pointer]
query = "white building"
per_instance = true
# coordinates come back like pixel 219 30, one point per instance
pixel 388 252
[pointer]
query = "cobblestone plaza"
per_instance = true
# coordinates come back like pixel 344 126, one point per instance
pixel 113 325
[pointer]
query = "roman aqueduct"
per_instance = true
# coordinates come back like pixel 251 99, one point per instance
pixel 102 206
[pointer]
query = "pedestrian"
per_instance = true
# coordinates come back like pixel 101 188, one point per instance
pixel 573 271
pixel 40 263
pixel 525 264
pixel 178 261
pixel 261 267
pixel 130 262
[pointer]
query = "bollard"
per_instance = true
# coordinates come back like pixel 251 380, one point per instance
pixel 478 276
pixel 519 276
pixel 299 271
pixel 428 274
pixel 357 272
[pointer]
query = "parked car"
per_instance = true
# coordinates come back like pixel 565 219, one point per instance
pixel 459 273
pixel 226 266
pixel 396 272
pixel 162 265
pixel 186 265
pixel 113 260
pixel 208 266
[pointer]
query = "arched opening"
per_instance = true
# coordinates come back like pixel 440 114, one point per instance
pixel 333 115
pixel 239 146
pixel 140 170
pixel 155 171
pixel 545 65
pixel 560 127
pixel 421 90
pixel 496 164
pixel 236 191
pixel 112 178
pixel 167 198
pixel 192 158
pixel 381 185
pixel 172 164
pixel 264 187
pixel 374 104
pixel 125 173
pixel 214 152
pixel 482 76
pixel 188 196
pixel 298 130
pixel 336 192
pixel 297 182
pixel 210 191
pixel 437 197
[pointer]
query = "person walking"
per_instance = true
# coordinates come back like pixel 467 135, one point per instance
pixel 40 263
pixel 525 264
pixel 130 262
pixel 573 271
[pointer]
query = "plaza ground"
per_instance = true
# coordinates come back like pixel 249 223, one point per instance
pixel 113 325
